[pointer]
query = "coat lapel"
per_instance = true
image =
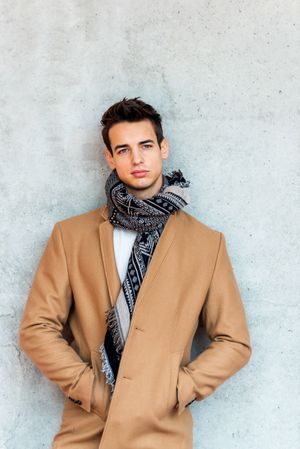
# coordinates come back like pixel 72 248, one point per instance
pixel 108 254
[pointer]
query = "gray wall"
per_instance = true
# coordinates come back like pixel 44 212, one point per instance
pixel 225 77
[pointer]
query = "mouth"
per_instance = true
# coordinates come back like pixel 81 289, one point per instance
pixel 139 173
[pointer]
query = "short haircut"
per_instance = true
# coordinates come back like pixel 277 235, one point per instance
pixel 130 110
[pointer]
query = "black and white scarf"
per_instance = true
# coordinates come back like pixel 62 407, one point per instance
pixel 148 217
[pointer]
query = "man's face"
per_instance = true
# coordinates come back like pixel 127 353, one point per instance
pixel 135 149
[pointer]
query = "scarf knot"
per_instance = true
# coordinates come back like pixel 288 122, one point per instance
pixel 129 212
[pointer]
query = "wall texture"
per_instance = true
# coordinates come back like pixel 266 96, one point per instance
pixel 225 77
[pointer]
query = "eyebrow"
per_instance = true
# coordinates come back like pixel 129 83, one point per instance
pixel 126 145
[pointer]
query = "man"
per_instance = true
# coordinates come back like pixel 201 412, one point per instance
pixel 118 295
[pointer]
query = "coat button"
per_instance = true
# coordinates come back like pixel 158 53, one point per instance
pixel 189 403
pixel 76 401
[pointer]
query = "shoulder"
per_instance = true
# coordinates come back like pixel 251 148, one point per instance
pixel 204 238
pixel 193 224
pixel 82 222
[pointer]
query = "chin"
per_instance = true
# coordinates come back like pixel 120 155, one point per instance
pixel 139 184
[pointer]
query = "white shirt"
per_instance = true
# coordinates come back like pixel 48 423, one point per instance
pixel 123 243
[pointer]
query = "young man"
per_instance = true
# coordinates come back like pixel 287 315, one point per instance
pixel 118 295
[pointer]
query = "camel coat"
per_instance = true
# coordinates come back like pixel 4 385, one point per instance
pixel 189 281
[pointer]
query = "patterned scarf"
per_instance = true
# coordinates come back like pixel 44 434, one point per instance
pixel 148 217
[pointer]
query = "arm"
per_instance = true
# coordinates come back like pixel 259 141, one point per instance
pixel 225 322
pixel 46 312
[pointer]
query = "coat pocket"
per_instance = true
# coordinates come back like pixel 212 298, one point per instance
pixel 175 360
pixel 101 390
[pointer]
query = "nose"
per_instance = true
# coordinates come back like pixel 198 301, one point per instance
pixel 136 156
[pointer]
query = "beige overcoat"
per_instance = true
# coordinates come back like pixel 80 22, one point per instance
pixel 190 278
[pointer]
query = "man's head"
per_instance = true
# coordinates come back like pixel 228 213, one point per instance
pixel 134 140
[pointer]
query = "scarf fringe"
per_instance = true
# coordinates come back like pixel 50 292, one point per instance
pixel 113 324
pixel 106 369
pixel 176 178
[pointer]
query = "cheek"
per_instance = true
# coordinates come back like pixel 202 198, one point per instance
pixel 157 160
pixel 123 165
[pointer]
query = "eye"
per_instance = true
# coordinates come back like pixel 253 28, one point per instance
pixel 147 145
pixel 122 150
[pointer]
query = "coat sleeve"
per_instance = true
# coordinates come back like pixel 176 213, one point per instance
pixel 45 314
pixel 225 323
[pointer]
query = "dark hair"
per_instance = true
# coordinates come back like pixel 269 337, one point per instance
pixel 130 110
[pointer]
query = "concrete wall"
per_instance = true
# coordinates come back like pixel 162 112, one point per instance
pixel 225 77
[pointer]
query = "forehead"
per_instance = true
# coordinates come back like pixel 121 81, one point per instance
pixel 131 132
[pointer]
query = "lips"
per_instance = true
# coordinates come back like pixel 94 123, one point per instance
pixel 139 174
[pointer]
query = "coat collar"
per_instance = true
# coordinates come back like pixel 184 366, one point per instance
pixel 108 255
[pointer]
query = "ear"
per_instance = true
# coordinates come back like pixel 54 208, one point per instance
pixel 164 148
pixel 109 159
